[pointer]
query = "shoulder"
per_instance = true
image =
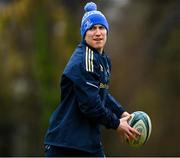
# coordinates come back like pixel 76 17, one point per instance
pixel 90 59
pixel 87 57
pixel 83 62
pixel 76 56
pixel 83 57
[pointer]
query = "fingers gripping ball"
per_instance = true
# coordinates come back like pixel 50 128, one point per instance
pixel 142 122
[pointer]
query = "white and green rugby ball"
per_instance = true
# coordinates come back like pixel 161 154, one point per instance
pixel 142 122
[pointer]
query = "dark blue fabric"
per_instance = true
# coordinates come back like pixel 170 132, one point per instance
pixel 85 103
pixel 54 151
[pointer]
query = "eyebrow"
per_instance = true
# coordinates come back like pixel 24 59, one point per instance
pixel 95 26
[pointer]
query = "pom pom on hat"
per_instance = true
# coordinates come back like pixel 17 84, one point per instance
pixel 92 17
pixel 90 7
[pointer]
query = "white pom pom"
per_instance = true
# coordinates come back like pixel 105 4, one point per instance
pixel 90 7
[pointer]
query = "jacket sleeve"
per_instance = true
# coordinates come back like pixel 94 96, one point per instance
pixel 114 105
pixel 86 87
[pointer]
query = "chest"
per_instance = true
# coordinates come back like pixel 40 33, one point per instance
pixel 104 71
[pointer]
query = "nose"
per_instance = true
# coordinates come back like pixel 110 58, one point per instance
pixel 98 31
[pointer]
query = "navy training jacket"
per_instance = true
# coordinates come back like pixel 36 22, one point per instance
pixel 85 102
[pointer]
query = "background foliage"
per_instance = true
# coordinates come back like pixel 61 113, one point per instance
pixel 38 37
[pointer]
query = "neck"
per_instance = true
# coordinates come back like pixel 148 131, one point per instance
pixel 100 50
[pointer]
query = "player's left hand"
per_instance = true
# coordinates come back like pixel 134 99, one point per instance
pixel 124 114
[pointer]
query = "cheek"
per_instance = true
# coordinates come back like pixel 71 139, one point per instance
pixel 89 36
pixel 105 37
pixel 105 34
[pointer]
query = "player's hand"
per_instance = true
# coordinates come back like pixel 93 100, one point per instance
pixel 125 131
pixel 124 114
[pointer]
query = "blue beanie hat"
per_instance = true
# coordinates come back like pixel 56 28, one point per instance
pixel 92 17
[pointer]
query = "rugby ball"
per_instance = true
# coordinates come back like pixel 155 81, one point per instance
pixel 142 122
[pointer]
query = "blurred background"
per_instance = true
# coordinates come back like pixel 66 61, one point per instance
pixel 37 38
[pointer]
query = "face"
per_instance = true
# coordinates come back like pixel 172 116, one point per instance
pixel 96 37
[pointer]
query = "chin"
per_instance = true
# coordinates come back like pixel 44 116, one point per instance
pixel 99 46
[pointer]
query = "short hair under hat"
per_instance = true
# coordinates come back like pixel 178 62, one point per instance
pixel 92 17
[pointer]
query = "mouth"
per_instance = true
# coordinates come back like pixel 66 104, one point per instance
pixel 98 39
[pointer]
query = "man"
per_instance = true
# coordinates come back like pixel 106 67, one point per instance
pixel 86 103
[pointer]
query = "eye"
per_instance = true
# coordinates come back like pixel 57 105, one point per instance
pixel 92 28
pixel 101 27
